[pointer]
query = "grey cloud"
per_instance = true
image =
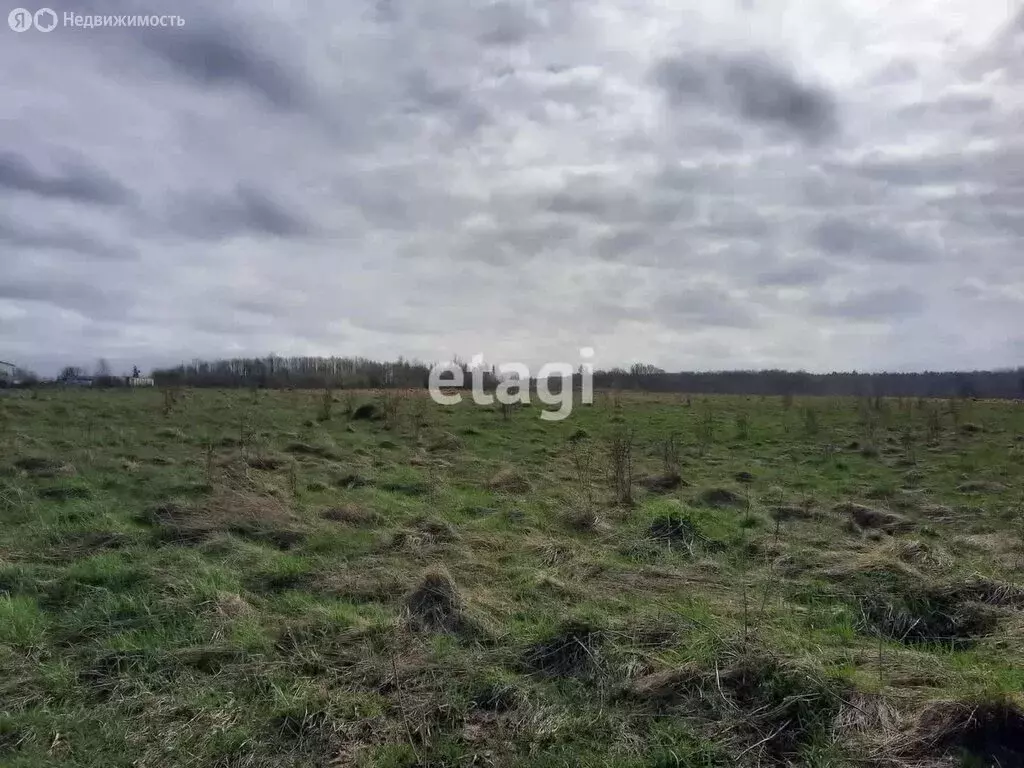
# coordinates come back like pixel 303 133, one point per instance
pixel 752 86
pixel 954 105
pixel 609 200
pixel 509 243
pixel 797 273
pixel 703 305
pixel 843 236
pixel 506 23
pixel 67 293
pixel 62 238
pixel 875 304
pixel 247 211
pixel 76 181
pixel 510 173
pixel 424 94
pixel 216 54
pixel 910 172
pixel 620 245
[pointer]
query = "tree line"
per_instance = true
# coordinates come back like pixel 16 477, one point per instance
pixel 275 372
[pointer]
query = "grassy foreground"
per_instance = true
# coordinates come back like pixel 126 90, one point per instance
pixel 212 578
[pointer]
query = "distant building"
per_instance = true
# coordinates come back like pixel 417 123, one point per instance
pixel 7 371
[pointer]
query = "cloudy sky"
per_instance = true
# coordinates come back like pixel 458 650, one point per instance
pixel 713 184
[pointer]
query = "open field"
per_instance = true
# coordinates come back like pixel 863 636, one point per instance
pixel 215 578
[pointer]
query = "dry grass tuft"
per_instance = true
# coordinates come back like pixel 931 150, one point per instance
pixel 349 514
pixel 664 483
pixel 267 462
pixel 876 519
pixel 986 732
pixel 721 497
pixel 770 709
pixel 265 519
pixel 510 480
pixel 574 651
pixel 580 520
pixel 436 606
pixel 445 442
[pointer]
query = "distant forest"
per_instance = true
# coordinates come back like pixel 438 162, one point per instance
pixel 360 373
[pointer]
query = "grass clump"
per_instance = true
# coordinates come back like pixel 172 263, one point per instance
pixel 573 651
pixel 259 518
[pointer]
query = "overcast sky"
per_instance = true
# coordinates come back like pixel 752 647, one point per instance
pixel 714 184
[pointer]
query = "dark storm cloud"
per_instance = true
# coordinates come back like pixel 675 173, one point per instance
pixel 246 212
pixel 753 87
pixel 75 181
pixel 873 304
pixel 843 236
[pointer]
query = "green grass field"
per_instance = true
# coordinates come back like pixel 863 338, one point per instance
pixel 213 578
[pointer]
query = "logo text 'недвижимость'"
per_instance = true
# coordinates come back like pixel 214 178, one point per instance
pixel 47 19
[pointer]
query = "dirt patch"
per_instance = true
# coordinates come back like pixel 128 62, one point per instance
pixel 574 651
pixel 665 483
pixel 987 733
pixel 721 497
pixel 863 517
pixel 510 481
pixel 264 519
